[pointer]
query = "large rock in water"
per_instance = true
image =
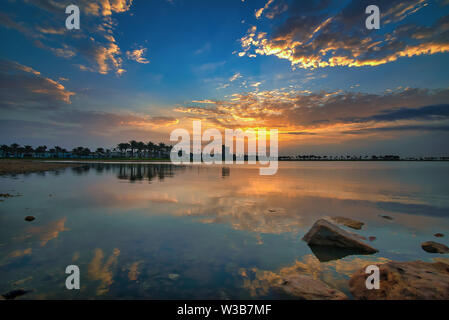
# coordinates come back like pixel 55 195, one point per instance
pixel 414 280
pixel 307 288
pixel 434 247
pixel 326 234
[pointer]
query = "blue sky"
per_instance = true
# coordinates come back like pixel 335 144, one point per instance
pixel 139 69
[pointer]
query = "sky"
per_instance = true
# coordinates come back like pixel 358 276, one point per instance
pixel 311 69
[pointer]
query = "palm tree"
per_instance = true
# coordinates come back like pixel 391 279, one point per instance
pixel 4 149
pixel 14 148
pixel 28 150
pixel 133 145
pixel 123 147
pixel 100 151
pixel 58 150
pixel 41 150
pixel 78 151
pixel 86 151
pixel 150 147
pixel 140 147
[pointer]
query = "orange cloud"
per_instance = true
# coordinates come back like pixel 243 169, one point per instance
pixel 318 41
pixel 103 272
pixel 323 117
pixel 137 55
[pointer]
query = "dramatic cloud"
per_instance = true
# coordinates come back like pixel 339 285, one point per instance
pixel 93 7
pixel 302 114
pixel 312 37
pixel 23 87
pixel 94 42
pixel 104 57
pixel 107 7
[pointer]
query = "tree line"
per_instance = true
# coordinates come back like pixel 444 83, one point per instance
pixel 135 148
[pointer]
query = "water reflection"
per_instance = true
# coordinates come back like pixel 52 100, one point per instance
pixel 131 172
pixel 165 231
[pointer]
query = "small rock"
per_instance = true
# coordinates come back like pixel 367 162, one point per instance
pixel 354 224
pixel 386 217
pixel 173 276
pixel 439 235
pixel 307 288
pixel 434 247
pixel 415 280
pixel 325 233
pixel 14 294
pixel 372 238
pixel 6 195
pixel 29 218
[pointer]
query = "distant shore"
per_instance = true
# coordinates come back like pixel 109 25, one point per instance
pixel 17 166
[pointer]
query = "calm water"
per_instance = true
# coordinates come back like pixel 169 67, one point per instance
pixel 154 231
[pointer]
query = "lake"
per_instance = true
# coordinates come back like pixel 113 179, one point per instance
pixel 158 231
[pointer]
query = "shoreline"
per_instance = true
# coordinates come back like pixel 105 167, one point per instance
pixel 21 166
pixel 16 166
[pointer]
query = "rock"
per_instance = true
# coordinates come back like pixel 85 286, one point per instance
pixel 173 276
pixel 6 195
pixel 307 288
pixel 14 294
pixel 404 281
pixel 386 217
pixel 325 234
pixel 434 247
pixel 372 238
pixel 354 224
pixel 29 218
pixel 439 235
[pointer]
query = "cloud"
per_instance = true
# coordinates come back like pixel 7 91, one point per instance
pixel 103 272
pixel 48 232
pixel 94 42
pixel 24 87
pixel 311 37
pixel 203 49
pixel 436 112
pixel 92 7
pixel 137 55
pixel 10 23
pixel 259 12
pixel 235 77
pixel 305 115
pixel 72 128
pixel 51 30
pixel 163 121
pixel 209 67
pixel 421 128
pixel 104 57
pixel 103 123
